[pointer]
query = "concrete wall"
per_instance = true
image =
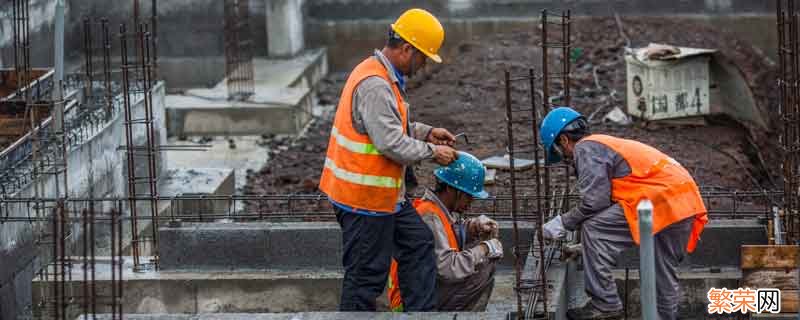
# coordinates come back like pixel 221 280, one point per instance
pixel 364 35
pixel 96 169
pixel 192 29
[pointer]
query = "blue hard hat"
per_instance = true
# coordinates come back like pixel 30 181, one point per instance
pixel 552 125
pixel 465 173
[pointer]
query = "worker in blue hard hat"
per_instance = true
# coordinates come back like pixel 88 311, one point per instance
pixel 466 248
pixel 614 175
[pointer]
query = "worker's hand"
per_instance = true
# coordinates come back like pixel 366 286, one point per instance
pixel 484 227
pixel 443 155
pixel 441 136
pixel 554 229
pixel 494 248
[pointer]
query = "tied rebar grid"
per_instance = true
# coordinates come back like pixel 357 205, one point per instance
pixel 98 93
pixel 549 184
pixel 44 140
pixel 238 50
pixel 153 30
pixel 67 277
pixel 137 83
pixel 789 112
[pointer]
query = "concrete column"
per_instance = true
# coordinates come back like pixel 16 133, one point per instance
pixel 284 27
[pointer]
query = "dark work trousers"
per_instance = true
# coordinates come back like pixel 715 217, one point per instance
pixel 368 245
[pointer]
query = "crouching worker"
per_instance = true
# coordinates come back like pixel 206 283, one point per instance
pixel 466 249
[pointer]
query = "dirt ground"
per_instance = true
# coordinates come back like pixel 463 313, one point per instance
pixel 466 94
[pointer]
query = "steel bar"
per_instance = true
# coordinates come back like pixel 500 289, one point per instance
pixel 789 114
pixel 238 50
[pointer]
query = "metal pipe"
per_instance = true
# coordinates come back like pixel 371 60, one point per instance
pixel 647 269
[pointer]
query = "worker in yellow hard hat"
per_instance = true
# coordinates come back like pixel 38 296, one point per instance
pixel 371 146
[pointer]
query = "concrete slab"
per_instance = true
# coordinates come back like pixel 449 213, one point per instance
pixel 247 154
pixel 282 102
pixel 274 111
pixel 300 290
pixel 270 245
pixel 198 182
pixel 718 247
pixel 319 316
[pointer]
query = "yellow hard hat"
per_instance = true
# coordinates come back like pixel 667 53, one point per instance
pixel 422 30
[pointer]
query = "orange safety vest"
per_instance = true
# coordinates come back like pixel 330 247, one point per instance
pixel 423 207
pixel 356 174
pixel 662 180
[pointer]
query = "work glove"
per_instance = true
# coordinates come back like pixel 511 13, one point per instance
pixel 483 227
pixel 554 229
pixel 495 248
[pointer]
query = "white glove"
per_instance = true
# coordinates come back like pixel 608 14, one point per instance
pixel 485 227
pixel 554 229
pixel 495 248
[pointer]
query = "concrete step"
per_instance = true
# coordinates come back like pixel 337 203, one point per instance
pixel 270 245
pixel 299 290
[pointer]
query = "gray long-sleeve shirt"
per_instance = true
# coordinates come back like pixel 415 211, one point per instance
pixel 375 113
pixel 596 164
pixel 464 276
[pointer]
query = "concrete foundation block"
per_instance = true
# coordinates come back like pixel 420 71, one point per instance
pixel 718 246
pixel 304 245
pixel 221 247
pixel 264 245
pixel 284 27
pixel 199 183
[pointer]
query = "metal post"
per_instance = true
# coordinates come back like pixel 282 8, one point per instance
pixel 647 269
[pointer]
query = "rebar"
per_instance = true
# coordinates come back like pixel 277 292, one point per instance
pixel 789 113
pixel 137 83
pixel 238 50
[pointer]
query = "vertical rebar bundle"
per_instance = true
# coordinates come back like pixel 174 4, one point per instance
pixel 541 193
pixel 789 112
pixel 140 137
pixel 555 42
pixel 238 50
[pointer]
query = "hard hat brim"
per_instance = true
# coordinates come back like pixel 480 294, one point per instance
pixel 481 195
pixel 433 56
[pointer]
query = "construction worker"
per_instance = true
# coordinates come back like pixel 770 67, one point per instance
pixel 466 249
pixel 614 175
pixel 372 144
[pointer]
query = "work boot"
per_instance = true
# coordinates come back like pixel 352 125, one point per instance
pixel 590 312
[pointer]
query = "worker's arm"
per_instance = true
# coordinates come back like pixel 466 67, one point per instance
pixel 420 131
pixel 595 164
pixel 375 112
pixel 451 264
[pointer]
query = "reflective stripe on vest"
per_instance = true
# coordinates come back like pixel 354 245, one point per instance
pixel 355 173
pixel 362 179
pixel 662 180
pixel 423 207
pixel 353 146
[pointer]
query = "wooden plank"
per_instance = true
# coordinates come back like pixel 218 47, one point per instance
pixel 790 301
pixel 784 279
pixel 770 256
